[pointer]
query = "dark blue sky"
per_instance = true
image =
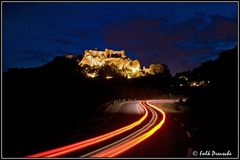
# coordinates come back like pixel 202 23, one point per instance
pixel 181 35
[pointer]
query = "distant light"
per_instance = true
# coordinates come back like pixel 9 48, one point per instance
pixel 69 56
pixel 183 77
pixel 92 75
pixel 109 77
pixel 194 84
pixel 129 77
pixel 181 85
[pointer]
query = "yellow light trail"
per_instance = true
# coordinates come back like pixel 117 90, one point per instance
pixel 133 135
pixel 115 151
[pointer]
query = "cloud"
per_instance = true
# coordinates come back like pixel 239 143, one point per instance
pixel 221 28
pixel 179 46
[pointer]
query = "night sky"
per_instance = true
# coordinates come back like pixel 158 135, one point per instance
pixel 181 35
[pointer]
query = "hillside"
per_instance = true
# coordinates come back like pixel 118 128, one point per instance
pixel 215 104
pixel 62 95
pixel 50 102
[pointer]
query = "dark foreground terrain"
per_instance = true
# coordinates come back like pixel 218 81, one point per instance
pixel 51 105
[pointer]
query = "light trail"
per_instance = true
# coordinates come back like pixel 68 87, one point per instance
pixel 164 100
pixel 82 144
pixel 117 150
pixel 133 135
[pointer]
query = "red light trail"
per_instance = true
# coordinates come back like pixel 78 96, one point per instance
pixel 118 149
pixel 82 144
pixel 119 146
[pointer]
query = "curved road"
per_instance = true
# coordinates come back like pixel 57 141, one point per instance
pixel 153 117
pixel 122 141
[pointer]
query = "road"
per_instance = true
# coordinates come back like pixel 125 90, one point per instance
pixel 154 134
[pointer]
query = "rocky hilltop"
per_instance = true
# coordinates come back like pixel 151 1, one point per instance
pixel 110 64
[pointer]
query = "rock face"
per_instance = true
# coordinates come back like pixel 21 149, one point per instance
pixel 110 63
pixel 154 69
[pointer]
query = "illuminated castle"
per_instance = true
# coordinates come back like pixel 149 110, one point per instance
pixel 93 61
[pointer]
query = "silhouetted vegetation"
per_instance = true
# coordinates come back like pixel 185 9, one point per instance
pixel 216 104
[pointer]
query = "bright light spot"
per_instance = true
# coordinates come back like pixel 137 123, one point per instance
pixel 183 77
pixel 129 77
pixel 69 56
pixel 194 84
pixel 109 77
pixel 199 84
pixel 92 75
